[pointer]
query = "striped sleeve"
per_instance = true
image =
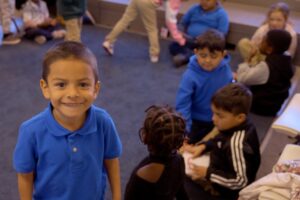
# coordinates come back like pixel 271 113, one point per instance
pixel 239 180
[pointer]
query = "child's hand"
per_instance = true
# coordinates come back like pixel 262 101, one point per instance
pixel 197 150
pixel 252 53
pixel 198 172
pixel 53 22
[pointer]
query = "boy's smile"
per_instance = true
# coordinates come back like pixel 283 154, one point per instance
pixel 209 60
pixel 71 88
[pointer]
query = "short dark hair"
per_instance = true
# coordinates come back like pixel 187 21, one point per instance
pixel 69 50
pixel 163 130
pixel 279 40
pixel 235 98
pixel 211 39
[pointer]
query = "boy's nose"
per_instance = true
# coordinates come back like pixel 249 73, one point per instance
pixel 73 92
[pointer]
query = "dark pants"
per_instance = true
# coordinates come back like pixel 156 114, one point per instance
pixel 187 50
pixel 199 130
pixel 31 33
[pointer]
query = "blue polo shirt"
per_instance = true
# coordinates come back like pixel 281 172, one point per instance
pixel 67 165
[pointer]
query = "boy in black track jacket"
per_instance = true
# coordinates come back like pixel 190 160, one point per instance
pixel 234 153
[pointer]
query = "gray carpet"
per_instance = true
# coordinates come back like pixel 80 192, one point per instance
pixel 130 83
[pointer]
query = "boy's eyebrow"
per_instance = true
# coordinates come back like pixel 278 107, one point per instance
pixel 62 79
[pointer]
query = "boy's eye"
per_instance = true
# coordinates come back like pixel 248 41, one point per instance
pixel 84 85
pixel 60 85
pixel 203 55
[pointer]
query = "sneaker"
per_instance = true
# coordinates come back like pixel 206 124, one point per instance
pixel 108 47
pixel 10 39
pixel 59 34
pixel 40 39
pixel 180 60
pixel 154 58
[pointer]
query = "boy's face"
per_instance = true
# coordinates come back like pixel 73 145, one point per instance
pixel 208 4
pixel 225 120
pixel 209 60
pixel 264 47
pixel 276 20
pixel 71 88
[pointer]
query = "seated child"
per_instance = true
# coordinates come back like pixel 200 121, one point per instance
pixel 38 25
pixel 277 18
pixel 198 19
pixel 234 155
pixel 269 80
pixel 161 174
pixel 208 70
pixel 67 151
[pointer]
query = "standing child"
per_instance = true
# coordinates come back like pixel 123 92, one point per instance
pixel 38 25
pixel 147 10
pixel 161 174
pixel 269 80
pixel 66 151
pixel 208 70
pixel 234 156
pixel 208 14
pixel 277 18
pixel 72 13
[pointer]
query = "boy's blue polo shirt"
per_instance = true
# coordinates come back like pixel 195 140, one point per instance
pixel 67 165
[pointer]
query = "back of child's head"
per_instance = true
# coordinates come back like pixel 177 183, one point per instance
pixel 211 39
pixel 279 40
pixel 235 98
pixel 69 50
pixel 281 7
pixel 163 131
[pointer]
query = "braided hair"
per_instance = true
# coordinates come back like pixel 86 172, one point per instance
pixel 163 131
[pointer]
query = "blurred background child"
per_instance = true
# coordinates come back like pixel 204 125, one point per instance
pixel 72 13
pixel 208 14
pixel 161 174
pixel 277 18
pixel 39 26
pixel 269 80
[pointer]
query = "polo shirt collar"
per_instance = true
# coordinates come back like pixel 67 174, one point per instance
pixel 89 126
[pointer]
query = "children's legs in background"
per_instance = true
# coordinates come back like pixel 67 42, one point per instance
pixel 6 14
pixel 73 28
pixel 147 10
pixel 128 16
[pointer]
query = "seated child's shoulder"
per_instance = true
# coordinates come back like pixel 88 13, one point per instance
pixel 151 172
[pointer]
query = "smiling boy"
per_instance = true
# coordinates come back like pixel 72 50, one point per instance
pixel 66 151
pixel 208 70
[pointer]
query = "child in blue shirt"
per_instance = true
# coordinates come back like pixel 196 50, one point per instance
pixel 209 14
pixel 208 70
pixel 66 151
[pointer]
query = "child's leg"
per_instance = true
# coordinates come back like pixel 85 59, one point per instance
pixel 147 9
pixel 6 13
pixel 128 16
pixel 73 27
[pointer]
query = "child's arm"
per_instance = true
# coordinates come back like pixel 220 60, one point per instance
pixel 255 75
pixel 25 184
pixel 113 171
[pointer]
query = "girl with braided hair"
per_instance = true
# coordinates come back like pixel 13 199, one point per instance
pixel 161 174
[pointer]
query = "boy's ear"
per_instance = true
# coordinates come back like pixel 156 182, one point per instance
pixel 44 88
pixel 241 117
pixel 195 51
pixel 97 89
